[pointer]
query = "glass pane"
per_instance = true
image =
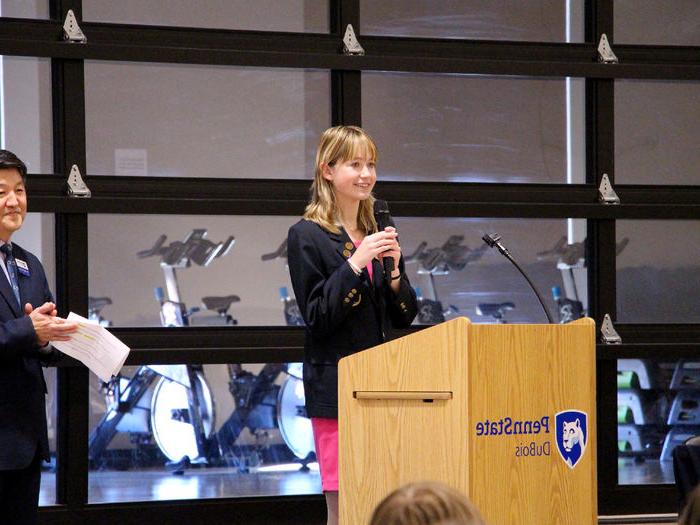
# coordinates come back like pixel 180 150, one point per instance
pixel 656 123
pixel 535 20
pixel 310 16
pixel 657 409
pixel 456 274
pixel 255 439
pixel 47 493
pixel 25 111
pixel 657 22
pixel 658 275
pixel 248 285
pixel 203 121
pixel 24 8
pixel 446 259
pixel 468 128
pixel 37 235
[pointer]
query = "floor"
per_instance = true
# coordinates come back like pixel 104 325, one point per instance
pixel 647 472
pixel 155 484
pixel 113 486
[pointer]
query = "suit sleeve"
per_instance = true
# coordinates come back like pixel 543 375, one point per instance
pixel 47 355
pixel 403 306
pixel 28 346
pixel 16 337
pixel 319 294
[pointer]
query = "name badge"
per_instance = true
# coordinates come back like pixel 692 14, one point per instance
pixel 22 267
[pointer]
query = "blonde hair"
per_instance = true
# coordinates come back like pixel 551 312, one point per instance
pixel 426 503
pixel 339 144
pixel 691 513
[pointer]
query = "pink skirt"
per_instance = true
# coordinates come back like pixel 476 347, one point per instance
pixel 326 441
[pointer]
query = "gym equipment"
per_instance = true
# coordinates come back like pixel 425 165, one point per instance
pixel 294 425
pixel 686 375
pixel 634 372
pixel 95 306
pixel 497 311
pixel 178 416
pixel 452 255
pixel 685 409
pixel 568 309
pixel 677 436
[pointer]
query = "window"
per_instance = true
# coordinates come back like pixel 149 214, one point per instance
pixel 656 123
pixel 658 276
pixel 538 21
pixel 303 16
pixel 657 22
pixel 466 128
pixel 25 111
pixel 24 8
pixel 449 264
pixel 203 121
pixel 256 442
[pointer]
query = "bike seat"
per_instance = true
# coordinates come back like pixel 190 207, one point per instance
pixel 98 303
pixel 495 310
pixel 219 304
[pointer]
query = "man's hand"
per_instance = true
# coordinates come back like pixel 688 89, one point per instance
pixel 47 325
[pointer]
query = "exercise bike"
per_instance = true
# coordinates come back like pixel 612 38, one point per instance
pixel 292 420
pixel 440 260
pixel 178 413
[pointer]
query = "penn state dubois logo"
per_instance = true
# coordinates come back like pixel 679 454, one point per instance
pixel 572 435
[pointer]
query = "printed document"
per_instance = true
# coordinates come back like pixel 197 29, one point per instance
pixel 95 347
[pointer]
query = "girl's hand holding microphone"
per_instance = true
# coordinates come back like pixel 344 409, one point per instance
pixel 381 244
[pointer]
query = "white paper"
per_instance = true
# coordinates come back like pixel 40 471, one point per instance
pixel 95 347
pixel 133 162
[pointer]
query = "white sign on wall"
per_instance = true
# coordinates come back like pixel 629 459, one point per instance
pixel 131 162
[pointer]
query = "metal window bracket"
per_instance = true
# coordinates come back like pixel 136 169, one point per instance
pixel 351 46
pixel 605 52
pixel 609 334
pixel 606 192
pixel 76 185
pixel 71 30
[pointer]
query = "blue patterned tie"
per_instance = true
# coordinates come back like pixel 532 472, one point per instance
pixel 11 266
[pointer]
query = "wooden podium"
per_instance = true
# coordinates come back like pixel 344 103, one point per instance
pixel 482 408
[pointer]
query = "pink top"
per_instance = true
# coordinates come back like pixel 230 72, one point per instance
pixel 369 266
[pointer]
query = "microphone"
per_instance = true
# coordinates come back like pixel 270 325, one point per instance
pixel 494 241
pixel 383 218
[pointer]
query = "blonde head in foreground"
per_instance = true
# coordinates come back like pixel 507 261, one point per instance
pixel 426 503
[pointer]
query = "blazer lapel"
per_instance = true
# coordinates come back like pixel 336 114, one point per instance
pixel 344 245
pixel 345 248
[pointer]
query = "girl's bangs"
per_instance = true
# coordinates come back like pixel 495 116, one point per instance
pixel 359 146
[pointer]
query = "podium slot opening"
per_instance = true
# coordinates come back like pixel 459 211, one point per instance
pixel 426 397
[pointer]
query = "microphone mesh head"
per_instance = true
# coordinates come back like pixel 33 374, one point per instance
pixel 381 214
pixel 381 206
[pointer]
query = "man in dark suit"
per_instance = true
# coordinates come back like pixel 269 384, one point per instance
pixel 28 321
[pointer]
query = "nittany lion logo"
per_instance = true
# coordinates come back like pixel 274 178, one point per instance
pixel 572 435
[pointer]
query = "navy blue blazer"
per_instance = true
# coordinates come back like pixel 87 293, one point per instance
pixel 22 386
pixel 344 313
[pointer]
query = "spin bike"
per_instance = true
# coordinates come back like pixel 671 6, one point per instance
pixel 180 418
pixel 179 411
pixel 293 422
pixel 431 262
